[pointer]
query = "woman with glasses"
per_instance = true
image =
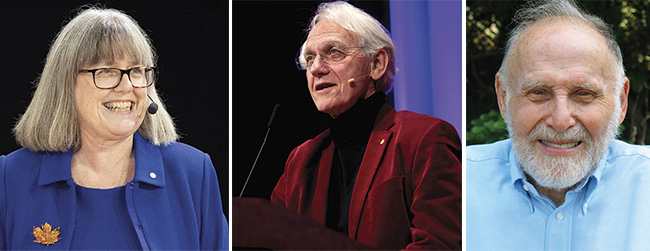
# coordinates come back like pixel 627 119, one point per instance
pixel 100 168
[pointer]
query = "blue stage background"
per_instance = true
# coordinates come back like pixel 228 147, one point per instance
pixel 427 37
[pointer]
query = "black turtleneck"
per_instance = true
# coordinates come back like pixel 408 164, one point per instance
pixel 350 132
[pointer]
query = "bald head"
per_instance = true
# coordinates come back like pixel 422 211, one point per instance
pixel 563 42
pixel 555 13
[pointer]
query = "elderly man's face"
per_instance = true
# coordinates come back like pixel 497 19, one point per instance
pixel 562 109
pixel 328 82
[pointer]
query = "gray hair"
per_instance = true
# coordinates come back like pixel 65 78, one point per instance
pixel 540 10
pixel 50 122
pixel 372 34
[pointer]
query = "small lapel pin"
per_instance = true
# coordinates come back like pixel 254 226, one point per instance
pixel 46 235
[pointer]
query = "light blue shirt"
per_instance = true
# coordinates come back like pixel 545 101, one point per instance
pixel 610 210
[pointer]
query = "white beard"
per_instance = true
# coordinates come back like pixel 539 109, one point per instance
pixel 561 172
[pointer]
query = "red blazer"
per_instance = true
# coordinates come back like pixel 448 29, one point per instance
pixel 407 193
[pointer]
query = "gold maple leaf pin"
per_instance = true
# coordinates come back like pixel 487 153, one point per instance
pixel 46 235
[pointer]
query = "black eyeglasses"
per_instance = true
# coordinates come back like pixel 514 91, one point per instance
pixel 109 78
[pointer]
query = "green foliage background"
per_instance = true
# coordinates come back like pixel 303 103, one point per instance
pixel 488 23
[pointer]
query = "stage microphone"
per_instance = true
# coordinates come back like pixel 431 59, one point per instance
pixel 272 118
pixel 353 80
pixel 268 126
pixel 153 107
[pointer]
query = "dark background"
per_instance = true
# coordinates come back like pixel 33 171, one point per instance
pixel 266 38
pixel 191 40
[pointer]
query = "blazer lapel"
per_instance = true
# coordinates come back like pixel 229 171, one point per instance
pixel 319 203
pixel 379 140
pixel 311 183
pixel 55 175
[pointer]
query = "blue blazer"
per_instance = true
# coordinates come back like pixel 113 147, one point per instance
pixel 173 200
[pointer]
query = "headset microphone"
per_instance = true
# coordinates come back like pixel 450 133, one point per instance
pixel 353 80
pixel 153 107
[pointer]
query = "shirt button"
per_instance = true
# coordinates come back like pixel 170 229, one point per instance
pixel 526 187
pixel 152 175
pixel 559 216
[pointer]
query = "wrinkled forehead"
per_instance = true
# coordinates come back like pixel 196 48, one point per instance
pixel 558 36
pixel 564 44
pixel 328 34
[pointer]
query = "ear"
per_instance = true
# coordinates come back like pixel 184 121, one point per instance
pixel 379 64
pixel 501 95
pixel 624 95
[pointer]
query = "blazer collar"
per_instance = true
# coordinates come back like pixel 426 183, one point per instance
pixel 55 166
pixel 148 162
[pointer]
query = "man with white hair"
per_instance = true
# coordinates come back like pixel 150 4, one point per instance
pixel 387 179
pixel 561 181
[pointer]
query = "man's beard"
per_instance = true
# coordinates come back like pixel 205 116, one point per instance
pixel 560 172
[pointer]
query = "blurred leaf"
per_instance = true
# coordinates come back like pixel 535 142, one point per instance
pixel 487 128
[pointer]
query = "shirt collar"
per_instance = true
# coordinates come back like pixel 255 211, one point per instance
pixel 519 180
pixel 594 179
pixel 55 166
pixel 516 172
